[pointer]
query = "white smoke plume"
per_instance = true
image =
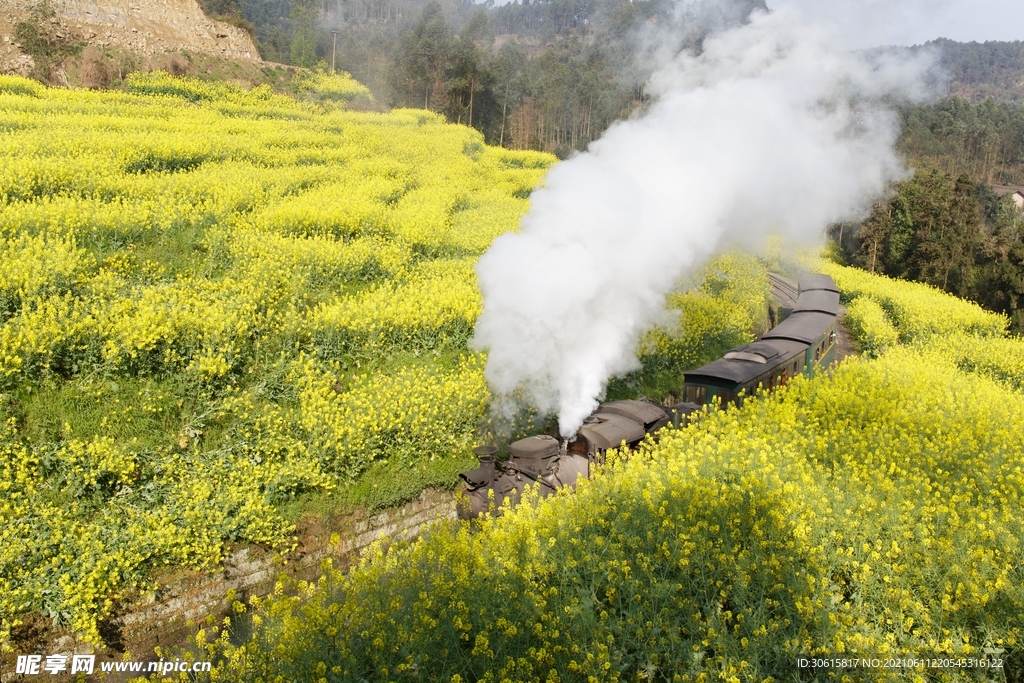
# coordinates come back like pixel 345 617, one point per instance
pixel 772 129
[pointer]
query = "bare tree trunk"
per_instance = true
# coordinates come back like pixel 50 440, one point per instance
pixel 504 108
pixel 472 87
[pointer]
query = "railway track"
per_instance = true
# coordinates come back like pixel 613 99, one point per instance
pixel 784 290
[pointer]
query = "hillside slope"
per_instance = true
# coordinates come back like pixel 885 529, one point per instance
pixel 145 27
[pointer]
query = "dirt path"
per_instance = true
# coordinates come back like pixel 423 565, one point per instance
pixel 844 342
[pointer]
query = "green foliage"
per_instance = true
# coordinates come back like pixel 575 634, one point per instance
pixel 981 139
pixel 999 276
pixel 42 37
pixel 976 71
pixel 930 231
pixel 303 41
pixel 423 60
pixel 228 11
pixel 953 234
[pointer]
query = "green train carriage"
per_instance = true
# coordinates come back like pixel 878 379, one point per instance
pixel 803 343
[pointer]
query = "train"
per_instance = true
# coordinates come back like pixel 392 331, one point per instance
pixel 803 342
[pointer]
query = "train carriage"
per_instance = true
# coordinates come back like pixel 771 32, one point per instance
pixel 767 363
pixel 815 281
pixel 802 343
pixel 815 331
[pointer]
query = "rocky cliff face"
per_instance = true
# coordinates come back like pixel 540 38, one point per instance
pixel 146 27
pixel 155 26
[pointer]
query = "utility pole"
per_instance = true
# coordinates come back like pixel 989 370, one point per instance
pixel 334 49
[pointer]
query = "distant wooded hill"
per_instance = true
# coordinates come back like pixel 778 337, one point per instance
pixel 546 74
pixel 954 224
pixel 983 139
pixel 977 71
pixel 554 74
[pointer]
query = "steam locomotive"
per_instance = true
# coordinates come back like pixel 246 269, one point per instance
pixel 803 343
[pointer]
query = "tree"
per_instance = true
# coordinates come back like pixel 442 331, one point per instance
pixel 999 285
pixel 950 237
pixel 303 43
pixel 424 59
pixel 506 69
pixel 468 64
pixel 930 230
pixel 42 36
pixel 874 236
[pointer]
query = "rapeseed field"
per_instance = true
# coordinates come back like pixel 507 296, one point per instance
pixel 220 308
pixel 216 304
pixel 213 301
pixel 876 512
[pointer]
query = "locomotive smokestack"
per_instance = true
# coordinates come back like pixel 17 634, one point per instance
pixel 486 456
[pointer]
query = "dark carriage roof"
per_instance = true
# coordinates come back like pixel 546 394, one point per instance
pixel 803 327
pixel 812 281
pixel 820 300
pixel 643 412
pixel 746 363
pixel 607 430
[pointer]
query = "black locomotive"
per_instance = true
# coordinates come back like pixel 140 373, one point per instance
pixel 552 463
pixel 804 342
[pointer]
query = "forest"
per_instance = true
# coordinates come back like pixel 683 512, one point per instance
pixel 946 225
pixel 549 75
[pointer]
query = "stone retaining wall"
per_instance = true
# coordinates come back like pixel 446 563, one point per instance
pixel 161 618
pixel 250 570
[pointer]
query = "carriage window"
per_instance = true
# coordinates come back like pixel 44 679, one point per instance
pixel 698 395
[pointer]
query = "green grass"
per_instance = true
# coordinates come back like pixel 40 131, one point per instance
pixel 382 486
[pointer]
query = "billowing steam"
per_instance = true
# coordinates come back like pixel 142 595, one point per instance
pixel 773 128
